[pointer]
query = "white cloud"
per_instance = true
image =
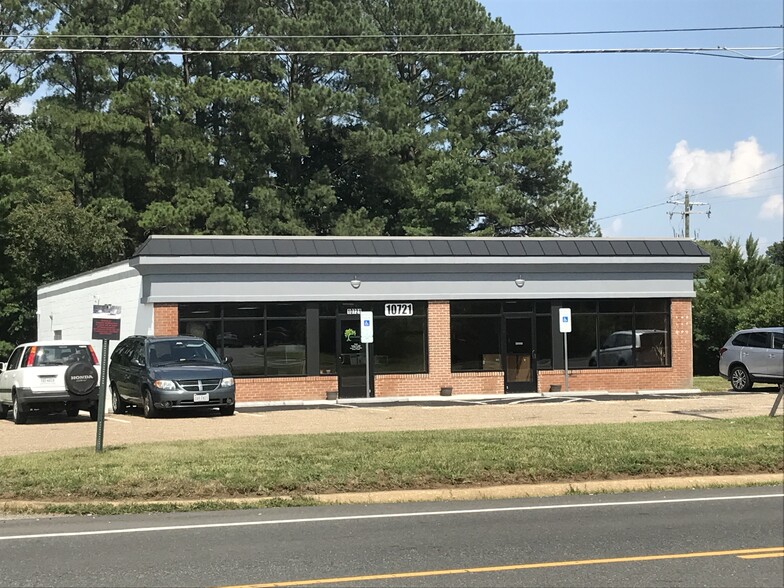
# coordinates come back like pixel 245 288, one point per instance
pixel 772 208
pixel 697 169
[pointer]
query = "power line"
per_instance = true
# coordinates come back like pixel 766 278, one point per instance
pixel 669 199
pixel 704 51
pixel 390 36
pixel 635 210
pixel 738 181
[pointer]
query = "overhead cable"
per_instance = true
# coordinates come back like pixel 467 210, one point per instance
pixel 704 51
pixel 390 35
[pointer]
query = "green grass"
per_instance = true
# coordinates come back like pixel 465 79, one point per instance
pixel 711 383
pixel 295 466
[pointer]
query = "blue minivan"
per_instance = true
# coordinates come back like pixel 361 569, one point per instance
pixel 169 373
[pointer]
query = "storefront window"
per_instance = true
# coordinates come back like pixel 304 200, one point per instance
pixel 619 333
pixel 581 342
pixel 399 345
pixel 258 346
pixel 476 343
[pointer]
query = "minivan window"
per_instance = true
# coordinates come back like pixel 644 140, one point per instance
pixel 172 352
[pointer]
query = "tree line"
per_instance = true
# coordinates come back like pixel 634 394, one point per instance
pixel 123 145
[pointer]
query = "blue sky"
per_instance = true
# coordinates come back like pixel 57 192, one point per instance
pixel 640 128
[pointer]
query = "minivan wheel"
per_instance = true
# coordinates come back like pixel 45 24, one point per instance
pixel 150 412
pixel 119 406
pixel 739 378
pixel 18 413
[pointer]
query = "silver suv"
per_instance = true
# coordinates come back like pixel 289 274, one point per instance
pixel 753 355
pixel 50 376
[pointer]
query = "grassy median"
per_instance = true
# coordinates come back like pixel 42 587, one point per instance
pixel 295 466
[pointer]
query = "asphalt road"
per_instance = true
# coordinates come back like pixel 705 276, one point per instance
pixel 728 537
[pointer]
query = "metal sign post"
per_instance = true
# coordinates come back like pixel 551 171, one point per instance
pixel 106 327
pixel 366 337
pixel 102 395
pixel 565 326
pixel 777 401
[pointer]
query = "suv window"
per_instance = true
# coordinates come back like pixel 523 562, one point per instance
pixel 759 339
pixel 741 340
pixel 13 361
pixel 43 355
pixel 778 340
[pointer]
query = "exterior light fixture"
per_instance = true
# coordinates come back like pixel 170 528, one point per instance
pixel 519 281
pixel 355 283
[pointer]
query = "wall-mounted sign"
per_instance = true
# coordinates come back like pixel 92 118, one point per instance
pixel 353 310
pixel 106 322
pixel 399 309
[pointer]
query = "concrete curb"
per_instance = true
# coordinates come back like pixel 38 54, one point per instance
pixel 449 494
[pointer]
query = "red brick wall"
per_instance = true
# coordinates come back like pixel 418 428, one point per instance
pixel 440 375
pixel 165 319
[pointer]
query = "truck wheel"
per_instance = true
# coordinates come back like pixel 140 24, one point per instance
pixel 19 413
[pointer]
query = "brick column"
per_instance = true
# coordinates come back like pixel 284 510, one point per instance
pixel 682 342
pixel 439 344
pixel 165 319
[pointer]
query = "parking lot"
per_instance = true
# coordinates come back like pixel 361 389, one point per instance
pixel 56 431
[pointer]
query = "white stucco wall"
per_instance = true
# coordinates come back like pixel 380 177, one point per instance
pixel 67 305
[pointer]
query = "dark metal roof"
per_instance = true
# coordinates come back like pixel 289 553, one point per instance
pixel 167 246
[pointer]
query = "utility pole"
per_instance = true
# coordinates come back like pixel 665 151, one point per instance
pixel 688 210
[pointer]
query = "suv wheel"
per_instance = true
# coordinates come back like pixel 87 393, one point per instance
pixel 150 412
pixel 19 413
pixel 739 378
pixel 94 412
pixel 3 411
pixel 119 406
pixel 72 411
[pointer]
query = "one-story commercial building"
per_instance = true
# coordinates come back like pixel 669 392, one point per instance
pixel 474 315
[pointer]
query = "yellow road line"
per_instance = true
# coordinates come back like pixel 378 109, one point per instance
pixel 763 551
pixel 761 555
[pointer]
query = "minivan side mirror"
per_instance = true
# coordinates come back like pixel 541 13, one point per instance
pixel 228 359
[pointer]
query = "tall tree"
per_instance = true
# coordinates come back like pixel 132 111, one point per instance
pixel 740 288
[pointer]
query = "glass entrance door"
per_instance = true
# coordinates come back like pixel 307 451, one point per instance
pixel 351 359
pixel 519 354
